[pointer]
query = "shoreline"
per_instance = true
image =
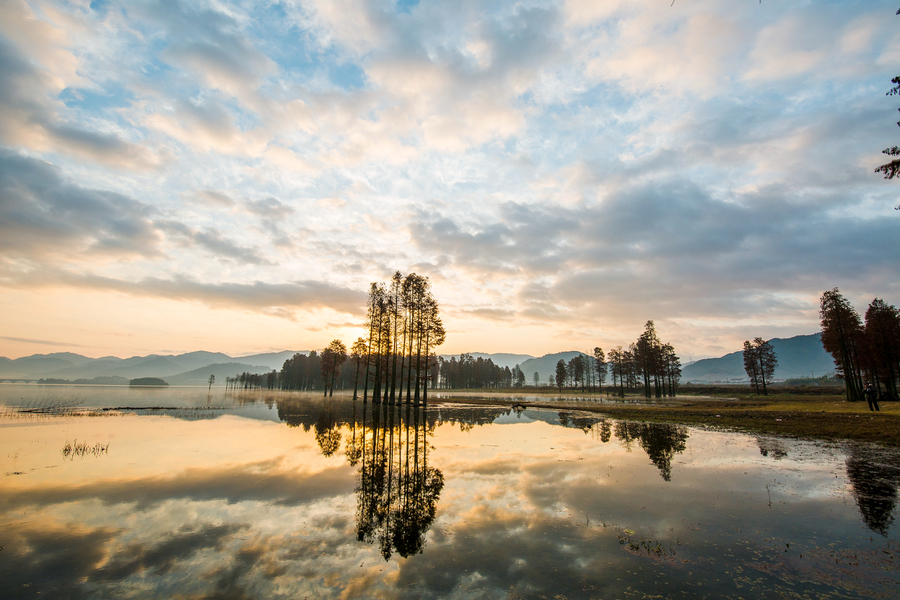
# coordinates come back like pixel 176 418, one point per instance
pixel 822 417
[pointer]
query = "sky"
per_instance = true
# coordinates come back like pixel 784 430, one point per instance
pixel 232 176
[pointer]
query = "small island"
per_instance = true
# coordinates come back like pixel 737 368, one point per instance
pixel 147 382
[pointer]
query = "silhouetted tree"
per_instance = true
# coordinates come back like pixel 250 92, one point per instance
pixel 881 350
pixel 760 362
pixel 518 377
pixel 842 331
pixel 892 169
pixel 671 368
pixel 404 326
pixel 357 354
pixel 332 358
pixel 575 371
pixel 615 359
pixel 561 373
pixel 600 367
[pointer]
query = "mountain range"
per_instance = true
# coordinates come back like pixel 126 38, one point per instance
pixel 182 369
pixel 799 356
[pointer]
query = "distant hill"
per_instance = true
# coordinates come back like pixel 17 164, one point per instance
pixel 174 368
pixel 132 368
pixel 221 371
pixel 272 360
pixel 799 356
pixel 545 365
pixel 37 363
pixel 195 360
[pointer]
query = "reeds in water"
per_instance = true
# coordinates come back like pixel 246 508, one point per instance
pixel 81 449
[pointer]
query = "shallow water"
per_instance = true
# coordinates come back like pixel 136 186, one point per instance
pixel 276 495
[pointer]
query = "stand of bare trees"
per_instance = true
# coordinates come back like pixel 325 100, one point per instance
pixel 647 364
pixel 760 362
pixel 404 325
pixel 863 352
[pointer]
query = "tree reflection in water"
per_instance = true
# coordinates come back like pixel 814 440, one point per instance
pixel 398 492
pixel 661 441
pixel 328 435
pixel 875 477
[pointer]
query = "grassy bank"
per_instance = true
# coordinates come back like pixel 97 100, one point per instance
pixel 818 416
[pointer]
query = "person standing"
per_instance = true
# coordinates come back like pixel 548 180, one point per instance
pixel 872 397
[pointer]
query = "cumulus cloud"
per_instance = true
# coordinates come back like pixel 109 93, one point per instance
pixel 44 213
pixel 31 115
pixel 698 255
pixel 213 241
pixel 551 161
pixel 277 299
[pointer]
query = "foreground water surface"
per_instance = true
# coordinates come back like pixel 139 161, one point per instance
pixel 178 493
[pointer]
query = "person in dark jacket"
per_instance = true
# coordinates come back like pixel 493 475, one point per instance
pixel 872 397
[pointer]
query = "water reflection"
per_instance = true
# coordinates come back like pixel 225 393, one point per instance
pixel 328 435
pixel 397 492
pixel 661 442
pixel 376 501
pixel 875 477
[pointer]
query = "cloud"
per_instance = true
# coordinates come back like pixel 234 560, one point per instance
pixel 682 54
pixel 278 299
pixel 214 198
pixel 551 161
pixel 165 554
pixel 212 45
pixel 232 484
pixel 699 256
pixel 57 556
pixel 55 343
pixel 213 241
pixel 31 116
pixel 42 213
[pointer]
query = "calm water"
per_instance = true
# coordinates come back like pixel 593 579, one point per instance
pixel 192 495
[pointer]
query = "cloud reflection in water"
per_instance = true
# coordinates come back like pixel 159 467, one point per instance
pixel 382 501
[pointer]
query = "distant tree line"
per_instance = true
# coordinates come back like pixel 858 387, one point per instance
pixel 394 360
pixel 254 381
pixel 648 366
pixel 863 351
pixel 469 372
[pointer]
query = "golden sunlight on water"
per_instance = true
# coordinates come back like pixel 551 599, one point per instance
pixel 290 496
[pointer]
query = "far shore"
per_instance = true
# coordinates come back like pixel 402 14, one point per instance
pixel 817 414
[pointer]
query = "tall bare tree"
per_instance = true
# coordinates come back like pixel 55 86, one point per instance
pixel 760 362
pixel 600 366
pixel 357 355
pixel 332 358
pixel 882 345
pixel 561 373
pixel 842 331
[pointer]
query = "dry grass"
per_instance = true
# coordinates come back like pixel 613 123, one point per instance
pixel 81 449
pixel 817 417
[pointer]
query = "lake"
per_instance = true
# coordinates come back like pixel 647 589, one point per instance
pixel 176 492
